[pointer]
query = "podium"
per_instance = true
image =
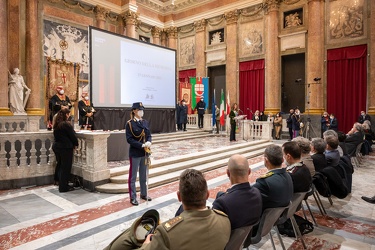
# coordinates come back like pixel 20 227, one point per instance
pixel 241 120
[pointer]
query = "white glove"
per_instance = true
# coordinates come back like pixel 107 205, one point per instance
pixel 143 145
pixel 148 144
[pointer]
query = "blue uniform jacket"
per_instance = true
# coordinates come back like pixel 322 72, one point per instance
pixel 137 133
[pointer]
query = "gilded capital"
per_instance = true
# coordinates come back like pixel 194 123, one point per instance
pixel 130 17
pixel 101 13
pixel 200 25
pixel 156 31
pixel 171 32
pixel 231 16
pixel 271 5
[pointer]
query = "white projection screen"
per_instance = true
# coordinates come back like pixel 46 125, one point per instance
pixel 125 70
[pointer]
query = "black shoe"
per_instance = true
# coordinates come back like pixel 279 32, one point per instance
pixel 66 190
pixel 134 202
pixel 146 198
pixel 369 200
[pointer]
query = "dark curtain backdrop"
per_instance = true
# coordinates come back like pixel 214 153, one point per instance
pixel 160 120
pixel 251 87
pixel 346 84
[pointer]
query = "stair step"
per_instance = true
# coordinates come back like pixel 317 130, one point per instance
pixel 171 172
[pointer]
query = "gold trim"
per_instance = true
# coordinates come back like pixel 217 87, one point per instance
pixel 271 110
pixel 371 111
pixel 5 112
pixel 314 111
pixel 35 111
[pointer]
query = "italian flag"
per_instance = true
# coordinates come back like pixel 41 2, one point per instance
pixel 228 104
pixel 193 81
pixel 222 109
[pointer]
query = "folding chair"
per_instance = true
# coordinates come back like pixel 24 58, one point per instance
pixel 238 237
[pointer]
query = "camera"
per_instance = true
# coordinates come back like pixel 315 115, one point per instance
pixel 317 79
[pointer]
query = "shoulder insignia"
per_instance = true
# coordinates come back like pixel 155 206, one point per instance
pixel 220 212
pixel 267 175
pixel 172 222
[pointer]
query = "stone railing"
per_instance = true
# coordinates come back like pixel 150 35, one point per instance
pixel 19 123
pixel 193 121
pixel 27 159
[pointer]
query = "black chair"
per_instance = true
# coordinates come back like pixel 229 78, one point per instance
pixel 238 237
pixel 289 214
pixel 268 220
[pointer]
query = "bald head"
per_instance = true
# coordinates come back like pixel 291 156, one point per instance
pixel 238 169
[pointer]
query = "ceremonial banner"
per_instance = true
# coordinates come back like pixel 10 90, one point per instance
pixel 228 104
pixel 185 93
pixel 61 72
pixel 213 111
pixel 199 88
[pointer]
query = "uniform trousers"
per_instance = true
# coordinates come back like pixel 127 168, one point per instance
pixel 137 164
pixel 200 120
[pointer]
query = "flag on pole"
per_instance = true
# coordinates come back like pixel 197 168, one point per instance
pixel 222 109
pixel 213 111
pixel 205 88
pixel 228 104
pixel 193 93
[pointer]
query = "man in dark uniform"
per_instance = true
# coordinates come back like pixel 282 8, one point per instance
pixel 276 185
pixel 242 203
pixel 201 107
pixel 138 135
pixel 196 228
pixel 58 102
pixel 86 112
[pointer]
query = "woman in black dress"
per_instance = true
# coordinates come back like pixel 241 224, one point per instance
pixel 65 142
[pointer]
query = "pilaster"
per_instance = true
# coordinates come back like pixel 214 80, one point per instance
pixel 371 66
pixel 131 19
pixel 156 32
pixel 4 109
pixel 172 37
pixel 200 46
pixel 101 14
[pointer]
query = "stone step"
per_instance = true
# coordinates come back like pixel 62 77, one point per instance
pixel 171 172
pixel 181 158
pixel 169 137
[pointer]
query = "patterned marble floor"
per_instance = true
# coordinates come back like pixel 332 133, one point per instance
pixel 42 218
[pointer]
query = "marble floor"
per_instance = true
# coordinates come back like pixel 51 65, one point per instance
pixel 43 218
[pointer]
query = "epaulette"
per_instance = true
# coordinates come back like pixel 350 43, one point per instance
pixel 220 212
pixel 266 175
pixel 172 223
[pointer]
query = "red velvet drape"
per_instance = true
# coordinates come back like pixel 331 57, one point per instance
pixel 346 84
pixel 183 78
pixel 251 87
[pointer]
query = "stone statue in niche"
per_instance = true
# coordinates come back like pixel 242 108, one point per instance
pixel 18 93
pixel 216 38
pixel 292 20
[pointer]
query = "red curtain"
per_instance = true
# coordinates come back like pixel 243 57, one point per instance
pixel 251 87
pixel 184 85
pixel 346 84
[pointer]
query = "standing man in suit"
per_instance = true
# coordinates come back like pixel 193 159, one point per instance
pixel 276 186
pixel 241 202
pixel 353 138
pixel 201 107
pixel 289 123
pixel 138 135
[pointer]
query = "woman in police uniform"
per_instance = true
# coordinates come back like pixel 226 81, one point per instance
pixel 138 135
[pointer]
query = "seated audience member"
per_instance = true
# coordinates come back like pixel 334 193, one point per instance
pixel 342 136
pixel 333 124
pixel 354 138
pixel 300 174
pixel 276 186
pixel 304 145
pixel 333 133
pixel 369 135
pixel 363 117
pixel 242 203
pixel 325 123
pixel 318 147
pixel 332 154
pixel 196 228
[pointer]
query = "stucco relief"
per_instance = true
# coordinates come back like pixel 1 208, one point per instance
pixel 187 51
pixel 68 42
pixel 251 38
pixel 346 19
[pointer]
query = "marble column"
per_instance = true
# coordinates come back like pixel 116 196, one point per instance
pixel 200 47
pixel 315 57
pixel 232 55
pixel 163 39
pixel 4 109
pixel 155 31
pixel 371 66
pixel 101 15
pixel 121 25
pixel 272 60
pixel 33 69
pixel 131 19
pixel 172 37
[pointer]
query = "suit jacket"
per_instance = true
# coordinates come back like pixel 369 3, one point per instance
pixel 276 188
pixel 242 203
pixel 320 161
pixel 134 137
pixel 204 230
pixel 301 177
pixel 332 157
pixel 352 141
